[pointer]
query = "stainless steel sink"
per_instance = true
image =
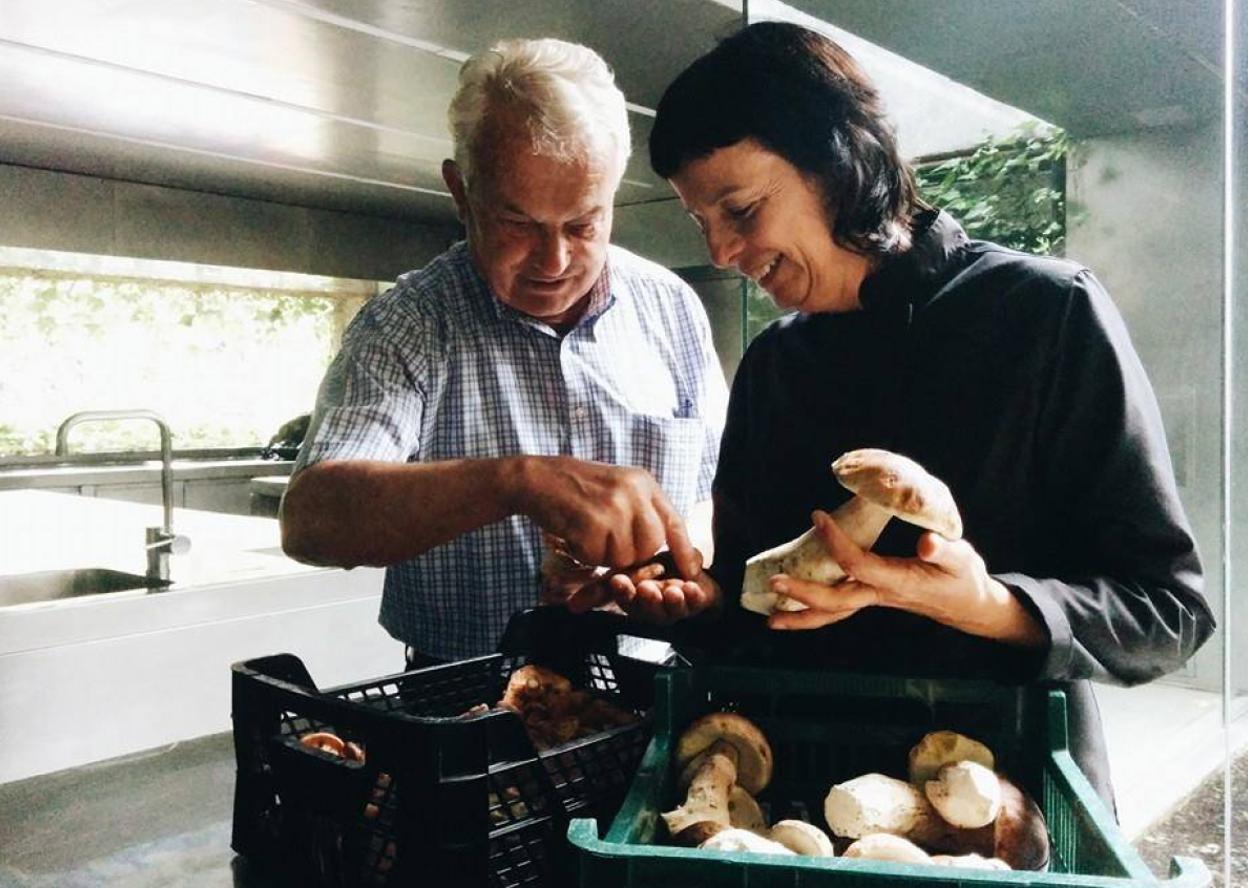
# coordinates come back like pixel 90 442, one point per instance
pixel 49 585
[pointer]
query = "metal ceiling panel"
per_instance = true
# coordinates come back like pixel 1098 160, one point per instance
pixel 646 42
pixel 239 94
pixel 1091 66
pixel 43 147
pixel 248 49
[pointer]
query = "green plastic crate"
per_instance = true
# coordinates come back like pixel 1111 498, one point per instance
pixel 825 728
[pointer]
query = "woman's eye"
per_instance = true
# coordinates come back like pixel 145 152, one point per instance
pixel 744 212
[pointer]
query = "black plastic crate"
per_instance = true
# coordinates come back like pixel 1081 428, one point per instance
pixel 441 798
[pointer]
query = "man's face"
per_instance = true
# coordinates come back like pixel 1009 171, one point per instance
pixel 538 228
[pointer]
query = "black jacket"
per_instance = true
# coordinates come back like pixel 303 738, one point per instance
pixel 1012 378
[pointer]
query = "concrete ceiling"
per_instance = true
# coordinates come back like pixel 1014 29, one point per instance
pixel 341 103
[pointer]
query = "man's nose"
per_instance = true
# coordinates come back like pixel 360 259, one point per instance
pixel 552 255
pixel 724 246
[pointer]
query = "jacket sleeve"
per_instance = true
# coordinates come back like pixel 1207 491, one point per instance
pixel 1128 605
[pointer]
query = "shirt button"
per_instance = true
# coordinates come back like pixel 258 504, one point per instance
pixel 580 411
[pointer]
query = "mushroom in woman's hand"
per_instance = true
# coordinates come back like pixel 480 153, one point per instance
pixel 885 485
pixel 716 753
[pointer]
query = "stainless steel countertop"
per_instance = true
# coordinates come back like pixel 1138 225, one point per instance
pixel 34 477
pixel 158 818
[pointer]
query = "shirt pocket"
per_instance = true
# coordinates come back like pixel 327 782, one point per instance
pixel 671 449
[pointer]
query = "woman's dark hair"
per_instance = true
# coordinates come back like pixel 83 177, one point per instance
pixel 801 96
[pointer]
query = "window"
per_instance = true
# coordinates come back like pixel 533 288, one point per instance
pixel 226 356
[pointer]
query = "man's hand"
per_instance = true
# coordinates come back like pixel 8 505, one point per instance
pixel 649 592
pixel 609 515
pixel 947 581
pixel 561 575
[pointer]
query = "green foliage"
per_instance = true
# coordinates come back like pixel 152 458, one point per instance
pixel 1008 191
pixel 225 365
pixel 1011 192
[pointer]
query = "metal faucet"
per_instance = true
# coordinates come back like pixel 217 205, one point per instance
pixel 159 541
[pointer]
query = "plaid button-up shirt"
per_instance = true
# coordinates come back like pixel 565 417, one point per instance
pixel 437 368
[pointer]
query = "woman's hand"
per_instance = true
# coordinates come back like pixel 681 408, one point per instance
pixel 947 582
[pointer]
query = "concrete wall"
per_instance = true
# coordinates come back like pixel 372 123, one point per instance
pixel 50 210
pixel 1146 216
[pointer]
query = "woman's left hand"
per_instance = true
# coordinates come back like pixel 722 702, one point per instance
pixel 947 581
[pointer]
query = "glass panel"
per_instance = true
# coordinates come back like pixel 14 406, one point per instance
pixel 226 356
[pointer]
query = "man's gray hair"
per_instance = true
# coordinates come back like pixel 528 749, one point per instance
pixel 565 92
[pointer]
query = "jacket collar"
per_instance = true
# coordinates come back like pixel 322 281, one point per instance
pixel 909 280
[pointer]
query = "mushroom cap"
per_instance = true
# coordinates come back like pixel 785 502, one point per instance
pixel 886 846
pixel 965 794
pixel 970 861
pixel 900 486
pixel 744 811
pixel 754 760
pixel 743 840
pixel 939 748
pixel 696 834
pixel 803 838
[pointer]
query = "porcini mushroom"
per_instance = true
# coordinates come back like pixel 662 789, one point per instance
pixel 754 762
pixel 744 840
pixel 886 846
pixel 705 809
pixel 1018 835
pixel 940 748
pixel 744 811
pixel 717 752
pixel 965 794
pixel 970 861
pixel 874 803
pixel 885 485
pixel 802 838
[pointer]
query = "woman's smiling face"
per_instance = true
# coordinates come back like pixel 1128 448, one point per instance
pixel 763 217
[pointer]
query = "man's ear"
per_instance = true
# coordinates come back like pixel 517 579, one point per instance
pixel 455 183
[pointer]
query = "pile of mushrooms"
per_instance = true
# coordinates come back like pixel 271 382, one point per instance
pixel 885 485
pixel 723 761
pixel 955 810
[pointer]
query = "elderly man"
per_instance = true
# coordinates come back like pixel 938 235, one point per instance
pixel 533 379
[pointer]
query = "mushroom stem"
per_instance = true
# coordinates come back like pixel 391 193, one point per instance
pixel 807 557
pixel 707 799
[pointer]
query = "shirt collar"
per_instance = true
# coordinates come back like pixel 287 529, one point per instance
pixel 909 280
pixel 601 298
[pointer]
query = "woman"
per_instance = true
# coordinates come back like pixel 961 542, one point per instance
pixel 1010 377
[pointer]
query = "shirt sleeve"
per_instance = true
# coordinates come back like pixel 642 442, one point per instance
pixel 1129 607
pixel 371 403
pixel 730 524
pixel 708 392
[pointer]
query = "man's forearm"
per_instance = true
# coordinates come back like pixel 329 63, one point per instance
pixel 348 513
